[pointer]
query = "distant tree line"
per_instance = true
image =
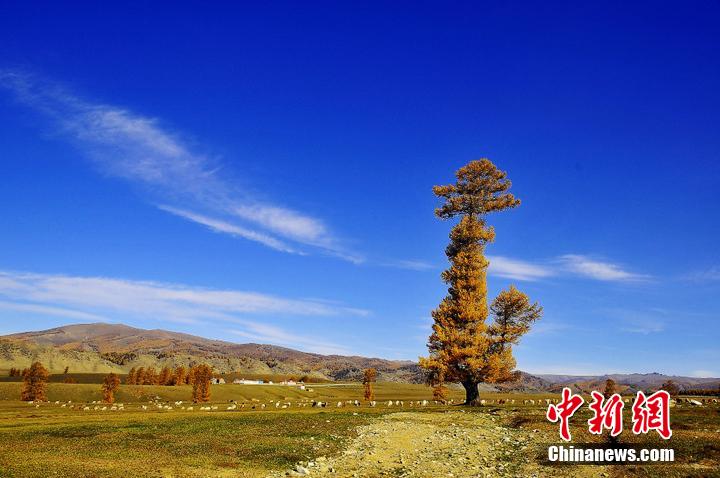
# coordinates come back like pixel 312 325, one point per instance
pixel 16 372
pixel 167 376
pixel 702 392
pixel 35 380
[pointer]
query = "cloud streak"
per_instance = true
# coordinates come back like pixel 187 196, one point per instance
pixel 188 182
pixel 102 298
pixel 594 269
pixel 568 265
pixel 516 269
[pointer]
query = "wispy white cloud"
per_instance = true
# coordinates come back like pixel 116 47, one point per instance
pixel 605 271
pixel 139 149
pixel 269 334
pixel 228 228
pixel 518 269
pixel 51 311
pixel 154 299
pixel 107 299
pixel 409 264
pixel 710 274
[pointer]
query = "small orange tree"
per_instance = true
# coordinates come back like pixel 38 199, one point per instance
pixel 202 374
pixel 140 376
pixel 151 376
pixel 109 387
pixel 165 376
pixel 369 377
pixel 462 346
pixel 440 393
pixel 35 383
pixel 179 376
pixel 190 378
pixel 610 388
pixel 131 378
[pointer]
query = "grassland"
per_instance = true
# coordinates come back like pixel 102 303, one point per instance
pixel 52 440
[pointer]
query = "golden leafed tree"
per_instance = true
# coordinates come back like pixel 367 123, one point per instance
pixel 180 376
pixel 202 374
pixel 151 376
pixel 369 377
pixel 165 377
pixel 109 387
pixel 35 383
pixel 190 379
pixel 610 388
pixel 440 393
pixel 131 378
pixel 140 376
pixel 463 347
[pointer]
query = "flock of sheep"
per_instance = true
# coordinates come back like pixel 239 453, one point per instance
pixel 255 404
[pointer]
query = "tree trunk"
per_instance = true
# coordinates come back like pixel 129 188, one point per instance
pixel 471 392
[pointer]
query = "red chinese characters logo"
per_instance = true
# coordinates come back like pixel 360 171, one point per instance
pixel 652 413
pixel 564 410
pixel 648 413
pixel 606 414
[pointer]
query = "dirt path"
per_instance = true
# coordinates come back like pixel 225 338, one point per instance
pixel 436 444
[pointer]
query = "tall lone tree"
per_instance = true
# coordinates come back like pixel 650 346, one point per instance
pixel 463 348
pixel 109 387
pixel 369 377
pixel 201 383
pixel 35 383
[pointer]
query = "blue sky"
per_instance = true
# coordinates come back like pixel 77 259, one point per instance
pixel 263 172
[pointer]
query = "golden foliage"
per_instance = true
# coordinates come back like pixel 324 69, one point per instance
pixel 109 387
pixel 35 383
pixel 165 377
pixel 202 374
pixel 463 348
pixel 440 393
pixel 131 378
pixel 610 388
pixel 180 376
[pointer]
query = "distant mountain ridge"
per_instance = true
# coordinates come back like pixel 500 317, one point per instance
pixel 103 348
pixel 630 382
pixel 117 347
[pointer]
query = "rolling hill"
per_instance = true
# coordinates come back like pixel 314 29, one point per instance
pixel 103 348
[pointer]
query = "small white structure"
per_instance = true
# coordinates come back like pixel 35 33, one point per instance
pixel 217 381
pixel 242 381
